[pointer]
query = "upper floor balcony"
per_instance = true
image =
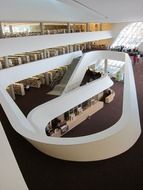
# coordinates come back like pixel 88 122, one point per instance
pixel 9 30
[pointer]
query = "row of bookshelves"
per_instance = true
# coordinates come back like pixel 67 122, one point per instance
pixel 48 78
pixel 14 60
pixel 38 55
pixel 31 29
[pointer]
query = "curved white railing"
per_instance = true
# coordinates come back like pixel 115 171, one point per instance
pixel 43 114
pixel 108 143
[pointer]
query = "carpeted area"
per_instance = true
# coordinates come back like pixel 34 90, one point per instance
pixel 43 172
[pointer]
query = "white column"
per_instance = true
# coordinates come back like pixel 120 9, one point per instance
pixel 105 66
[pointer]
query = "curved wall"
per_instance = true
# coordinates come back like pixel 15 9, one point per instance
pixel 108 143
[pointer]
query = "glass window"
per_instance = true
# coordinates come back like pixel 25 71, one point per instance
pixel 130 37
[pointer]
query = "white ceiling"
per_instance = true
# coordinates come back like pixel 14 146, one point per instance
pixel 71 10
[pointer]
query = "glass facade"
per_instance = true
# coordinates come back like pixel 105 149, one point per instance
pixel 130 37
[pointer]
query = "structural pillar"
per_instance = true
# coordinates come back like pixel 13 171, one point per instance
pixel 105 66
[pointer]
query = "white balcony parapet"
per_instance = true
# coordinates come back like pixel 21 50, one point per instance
pixel 33 43
pixel 40 116
pixel 105 144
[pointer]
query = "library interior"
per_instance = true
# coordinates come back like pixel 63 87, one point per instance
pixel 70 94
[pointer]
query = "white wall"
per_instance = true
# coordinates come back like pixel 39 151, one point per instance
pixel 12 46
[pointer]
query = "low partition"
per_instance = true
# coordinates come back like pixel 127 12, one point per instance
pixel 106 144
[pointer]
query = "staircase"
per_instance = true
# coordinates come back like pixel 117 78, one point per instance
pixel 58 89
